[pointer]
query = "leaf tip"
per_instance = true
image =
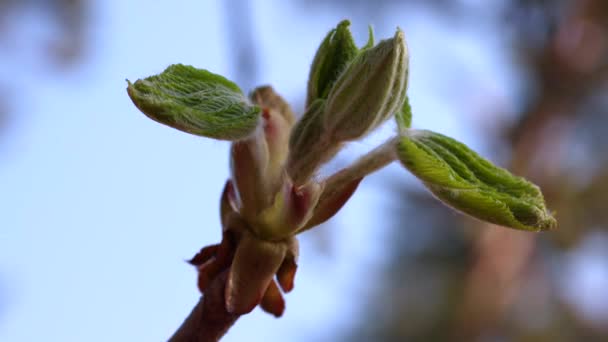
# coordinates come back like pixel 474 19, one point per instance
pixel 344 24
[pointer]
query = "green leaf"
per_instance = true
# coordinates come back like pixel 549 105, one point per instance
pixel 404 116
pixel 333 55
pixel 370 39
pixel 195 101
pixel 369 91
pixel 464 180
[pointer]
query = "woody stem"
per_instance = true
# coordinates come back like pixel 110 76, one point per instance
pixel 209 320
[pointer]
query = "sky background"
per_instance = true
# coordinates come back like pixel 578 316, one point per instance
pixel 100 206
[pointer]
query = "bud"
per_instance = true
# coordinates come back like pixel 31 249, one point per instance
pixel 369 91
pixel 267 97
pixel 330 202
pixel 272 301
pixel 227 204
pixel 309 146
pixel 336 51
pixel 249 161
pixel 292 207
pixel 287 272
pixel 254 266
pixel 257 163
pixel 277 120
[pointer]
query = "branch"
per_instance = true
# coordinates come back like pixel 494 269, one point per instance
pixel 209 320
pixel 340 186
pixel 371 162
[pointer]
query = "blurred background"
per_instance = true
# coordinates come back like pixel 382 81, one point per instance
pixel 100 206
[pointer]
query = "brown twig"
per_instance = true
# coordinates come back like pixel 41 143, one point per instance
pixel 209 320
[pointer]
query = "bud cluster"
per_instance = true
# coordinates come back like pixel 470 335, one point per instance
pixel 347 98
pixel 351 91
pixel 273 194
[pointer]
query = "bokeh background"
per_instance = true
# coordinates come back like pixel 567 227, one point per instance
pixel 100 206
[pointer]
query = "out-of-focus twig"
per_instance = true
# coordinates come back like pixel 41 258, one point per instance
pixel 209 320
pixel 569 67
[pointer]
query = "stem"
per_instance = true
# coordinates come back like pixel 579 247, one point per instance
pixel 339 187
pixel 209 320
pixel 373 161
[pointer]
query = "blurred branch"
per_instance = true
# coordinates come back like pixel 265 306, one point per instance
pixel 501 257
pixel 209 320
pixel 569 67
pixel 64 48
pixel 70 17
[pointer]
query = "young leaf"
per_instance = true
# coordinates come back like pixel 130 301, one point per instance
pixel 195 101
pixel 462 179
pixel 369 91
pixel 404 116
pixel 370 39
pixel 333 55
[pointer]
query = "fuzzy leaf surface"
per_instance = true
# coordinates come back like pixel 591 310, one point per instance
pixel 333 55
pixel 404 116
pixel 195 101
pixel 467 182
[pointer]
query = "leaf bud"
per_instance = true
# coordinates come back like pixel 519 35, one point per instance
pixel 369 91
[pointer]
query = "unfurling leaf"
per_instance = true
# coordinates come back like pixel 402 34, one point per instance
pixel 336 51
pixel 404 116
pixel 369 91
pixel 196 101
pixel 464 180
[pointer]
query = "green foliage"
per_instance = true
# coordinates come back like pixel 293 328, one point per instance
pixel 351 91
pixel 404 116
pixel 333 55
pixel 369 91
pixel 195 101
pixel 462 179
